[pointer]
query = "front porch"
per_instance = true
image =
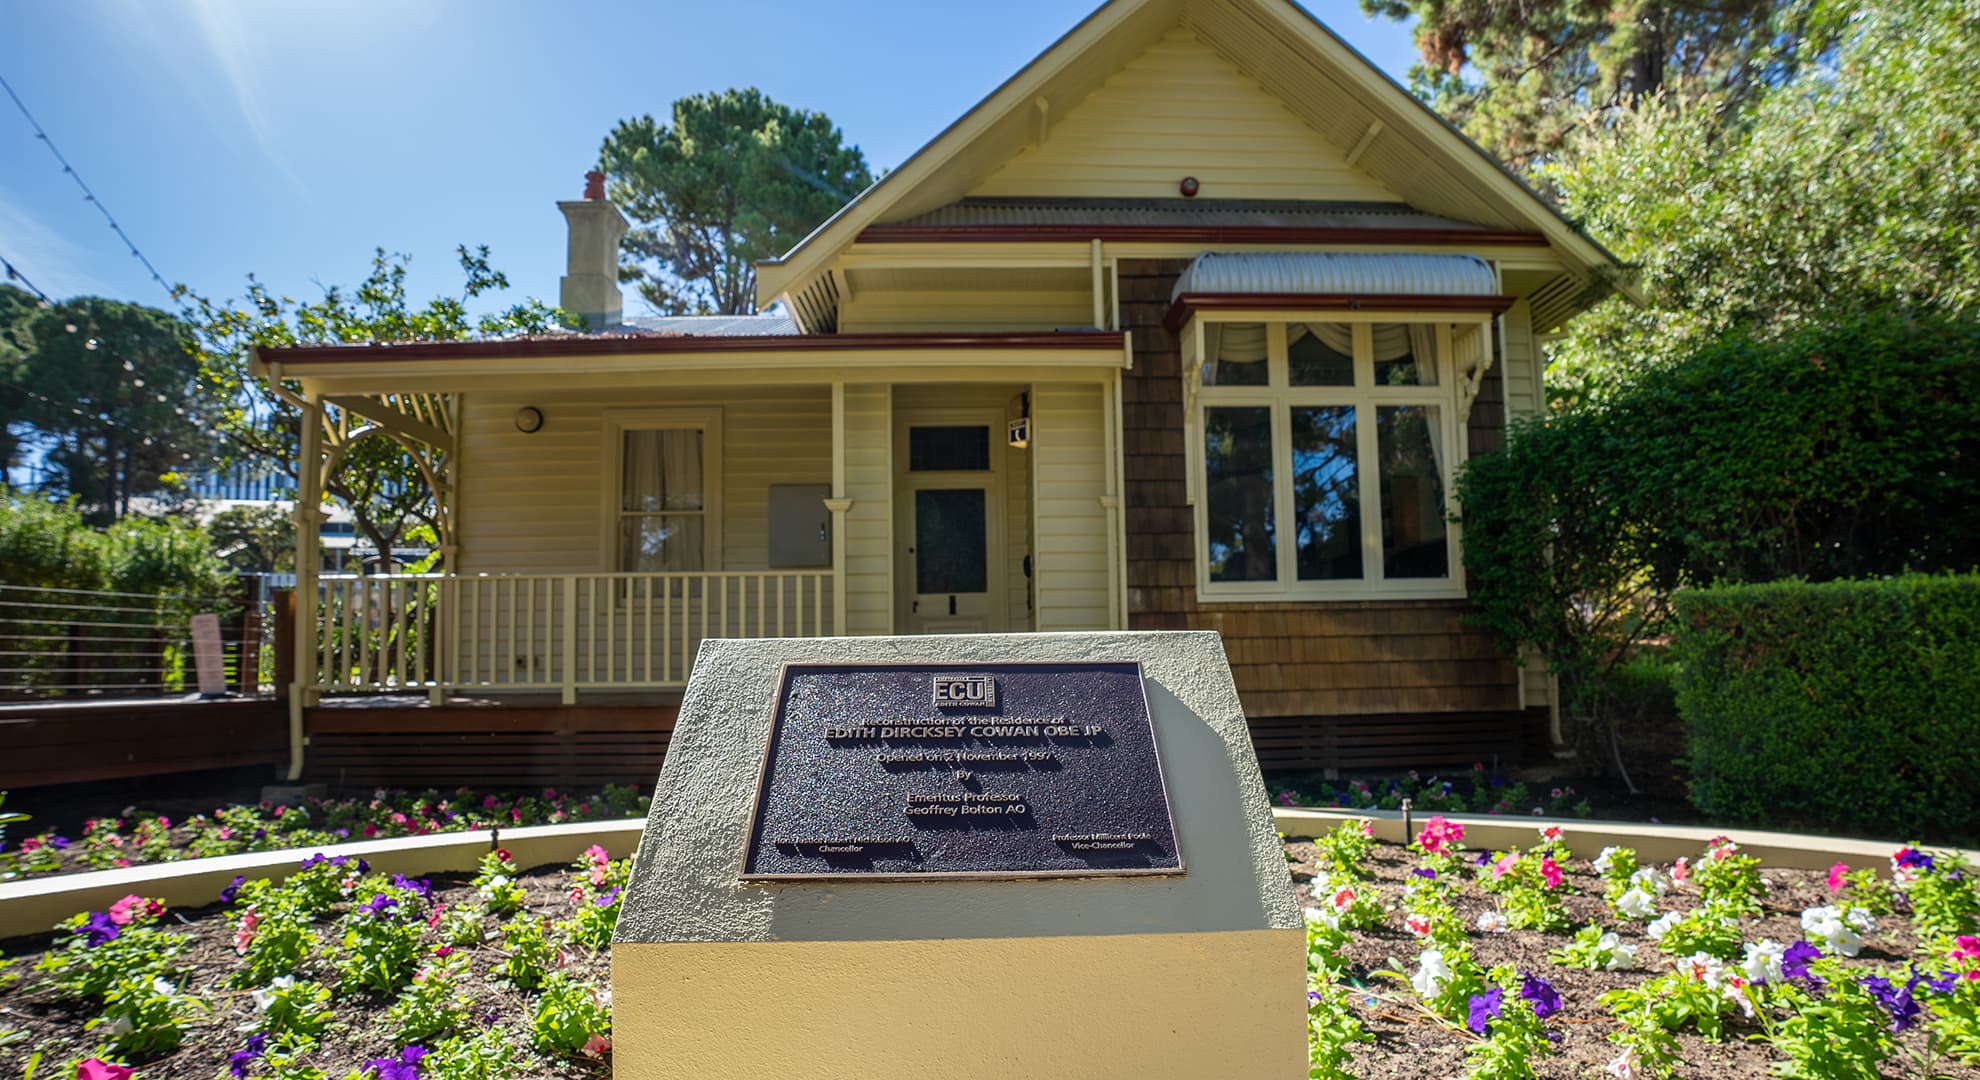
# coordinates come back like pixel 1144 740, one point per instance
pixel 448 634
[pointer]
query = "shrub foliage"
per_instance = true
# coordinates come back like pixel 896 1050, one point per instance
pixel 1849 449
pixel 1842 705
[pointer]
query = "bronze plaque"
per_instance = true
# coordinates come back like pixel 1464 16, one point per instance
pixel 889 771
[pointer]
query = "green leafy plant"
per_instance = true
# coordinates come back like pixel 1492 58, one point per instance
pixel 434 1003
pixel 495 881
pixel 1705 930
pixel 292 1007
pixel 1728 881
pixel 530 953
pixel 569 1016
pixel 1596 949
pixel 380 948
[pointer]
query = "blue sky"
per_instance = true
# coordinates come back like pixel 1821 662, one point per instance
pixel 290 139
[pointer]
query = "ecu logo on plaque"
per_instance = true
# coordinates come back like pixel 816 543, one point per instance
pixel 965 691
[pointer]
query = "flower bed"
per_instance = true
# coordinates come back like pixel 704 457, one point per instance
pixel 1426 961
pixel 1476 790
pixel 137 838
pixel 1435 961
pixel 336 972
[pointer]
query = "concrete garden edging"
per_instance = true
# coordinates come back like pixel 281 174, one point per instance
pixel 35 905
pixel 1653 843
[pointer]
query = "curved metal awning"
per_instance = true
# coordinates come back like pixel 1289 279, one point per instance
pixel 1336 273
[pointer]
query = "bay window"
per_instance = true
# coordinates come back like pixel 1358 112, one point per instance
pixel 1322 460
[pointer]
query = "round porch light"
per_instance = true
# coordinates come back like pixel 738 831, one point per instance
pixel 1189 187
pixel 529 419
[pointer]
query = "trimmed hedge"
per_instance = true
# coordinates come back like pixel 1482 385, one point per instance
pixel 1851 706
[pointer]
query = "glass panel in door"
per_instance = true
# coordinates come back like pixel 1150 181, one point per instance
pixel 951 561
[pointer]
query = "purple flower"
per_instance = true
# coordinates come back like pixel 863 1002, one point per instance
pixel 365 868
pixel 403 1067
pixel 237 1062
pixel 59 843
pixel 608 897
pixel 421 888
pixel 227 894
pixel 1944 983
pixel 260 834
pixel 1484 858
pixel 1485 1009
pixel 1797 957
pixel 101 928
pixel 1546 1000
pixel 380 904
pixel 1425 873
pixel 1898 1002
pixel 344 833
pixel 1914 858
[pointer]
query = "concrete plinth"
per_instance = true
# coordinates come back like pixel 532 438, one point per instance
pixel 1201 974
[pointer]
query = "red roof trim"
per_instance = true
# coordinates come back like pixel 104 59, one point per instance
pixel 634 344
pixel 1189 303
pixel 1198 234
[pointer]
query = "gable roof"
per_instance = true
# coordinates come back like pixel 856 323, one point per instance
pixel 1292 55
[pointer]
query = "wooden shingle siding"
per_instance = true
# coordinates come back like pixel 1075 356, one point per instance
pixel 869 535
pixel 1180 109
pixel 1403 666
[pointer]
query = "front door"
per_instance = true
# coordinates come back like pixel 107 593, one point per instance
pixel 949 518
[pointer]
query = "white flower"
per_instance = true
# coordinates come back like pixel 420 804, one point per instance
pixel 1325 918
pixel 1624 1066
pixel 1552 833
pixel 494 883
pixel 1860 919
pixel 1704 967
pixel 263 999
pixel 120 1026
pixel 1840 934
pixel 1491 922
pixel 1431 973
pixel 1620 954
pixel 1648 879
pixel 162 988
pixel 1603 861
pixel 1636 904
pixel 1656 930
pixel 1418 925
pixel 1763 961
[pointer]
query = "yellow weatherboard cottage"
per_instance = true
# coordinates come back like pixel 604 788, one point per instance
pixel 1186 326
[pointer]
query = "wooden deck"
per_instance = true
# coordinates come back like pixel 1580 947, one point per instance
pixel 68 742
pixel 511 741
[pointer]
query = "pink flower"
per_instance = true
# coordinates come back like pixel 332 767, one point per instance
pixel 164 823
pixel 1418 925
pixel 433 920
pixel 1343 898
pixel 1438 834
pixel 1550 870
pixel 123 911
pixel 32 843
pixel 598 875
pixel 1836 876
pixel 576 895
pixel 98 1069
pixel 245 935
pixel 1681 870
pixel 398 818
pixel 1552 833
pixel 1966 947
pixel 153 908
pixel 280 810
pixel 1367 828
pixel 597 1046
pixel 1507 864
pixel 490 802
pixel 226 832
pixel 1554 794
pixel 597 854
pixel 369 830
pixel 443 950
pixel 502 853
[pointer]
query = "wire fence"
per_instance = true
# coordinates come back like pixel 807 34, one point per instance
pixel 84 643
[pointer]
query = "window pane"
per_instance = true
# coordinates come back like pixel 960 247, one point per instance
pixel 660 543
pixel 1321 354
pixel 1237 466
pixel 1236 355
pixel 1326 494
pixel 1405 354
pixel 949 541
pixel 662 471
pixel 942 449
pixel 1411 446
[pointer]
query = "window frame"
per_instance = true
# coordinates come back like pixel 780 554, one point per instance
pixel 1364 396
pixel 618 422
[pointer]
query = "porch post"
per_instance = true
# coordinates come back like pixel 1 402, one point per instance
pixel 308 523
pixel 838 504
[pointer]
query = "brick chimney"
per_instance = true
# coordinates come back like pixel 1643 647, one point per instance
pixel 590 288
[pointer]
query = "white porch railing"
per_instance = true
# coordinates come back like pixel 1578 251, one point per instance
pixel 565 632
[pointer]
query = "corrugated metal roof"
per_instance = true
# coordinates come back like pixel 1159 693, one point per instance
pixel 773 324
pixel 1207 213
pixel 1312 272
